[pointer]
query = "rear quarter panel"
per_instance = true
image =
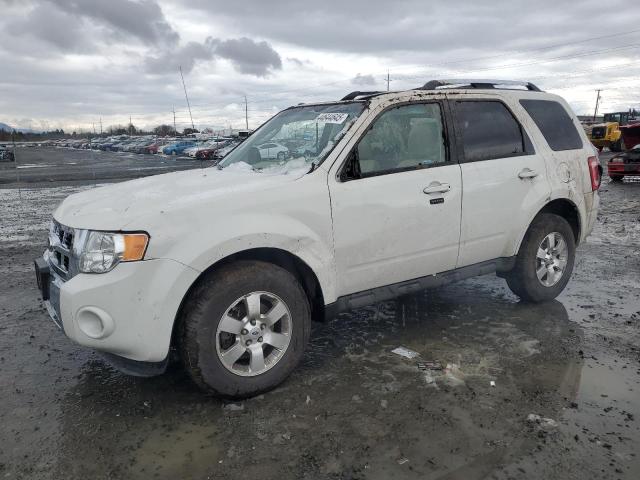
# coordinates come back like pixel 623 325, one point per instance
pixel 567 170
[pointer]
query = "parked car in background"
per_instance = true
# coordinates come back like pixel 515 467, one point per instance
pixel 177 148
pixel 6 154
pixel 208 150
pixel 271 150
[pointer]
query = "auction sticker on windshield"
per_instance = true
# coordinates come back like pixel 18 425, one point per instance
pixel 332 117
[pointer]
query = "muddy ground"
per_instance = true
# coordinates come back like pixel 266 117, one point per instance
pixel 566 400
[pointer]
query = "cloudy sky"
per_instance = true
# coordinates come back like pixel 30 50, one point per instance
pixel 68 63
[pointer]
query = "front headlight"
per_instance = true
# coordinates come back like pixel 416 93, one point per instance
pixel 100 252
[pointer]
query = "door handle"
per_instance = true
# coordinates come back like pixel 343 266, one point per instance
pixel 437 187
pixel 527 173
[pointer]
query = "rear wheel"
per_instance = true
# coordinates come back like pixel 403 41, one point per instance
pixel 545 260
pixel 244 329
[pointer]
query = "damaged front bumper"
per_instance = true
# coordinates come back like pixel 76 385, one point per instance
pixel 49 286
pixel 127 313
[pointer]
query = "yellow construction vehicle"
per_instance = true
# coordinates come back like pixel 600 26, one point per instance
pixel 607 134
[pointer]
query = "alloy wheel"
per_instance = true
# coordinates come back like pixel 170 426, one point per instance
pixel 551 259
pixel 253 334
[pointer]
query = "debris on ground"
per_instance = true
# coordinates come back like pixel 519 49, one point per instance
pixel 542 422
pixel 402 460
pixel 429 365
pixel 405 352
pixel 233 407
pixel 453 376
pixel 492 383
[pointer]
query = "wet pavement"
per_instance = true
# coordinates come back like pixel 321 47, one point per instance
pixel 36 165
pixel 564 402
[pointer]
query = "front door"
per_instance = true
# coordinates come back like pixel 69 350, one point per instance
pixel 396 206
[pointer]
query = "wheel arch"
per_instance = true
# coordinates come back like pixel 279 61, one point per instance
pixel 276 256
pixel 564 208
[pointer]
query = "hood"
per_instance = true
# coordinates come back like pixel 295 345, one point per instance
pixel 125 205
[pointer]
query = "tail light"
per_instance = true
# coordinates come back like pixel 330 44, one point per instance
pixel 595 172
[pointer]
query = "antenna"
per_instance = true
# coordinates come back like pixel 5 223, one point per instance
pixel 246 113
pixel 186 96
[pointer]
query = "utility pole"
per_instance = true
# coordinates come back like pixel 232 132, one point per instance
pixel 246 113
pixel 186 96
pixel 388 80
pixel 100 126
pixel 595 112
pixel 174 120
pixel 130 126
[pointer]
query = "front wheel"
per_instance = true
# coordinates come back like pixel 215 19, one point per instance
pixel 244 329
pixel 545 260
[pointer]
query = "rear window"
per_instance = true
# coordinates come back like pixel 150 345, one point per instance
pixel 554 122
pixel 489 131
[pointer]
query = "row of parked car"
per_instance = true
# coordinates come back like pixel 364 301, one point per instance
pixel 202 149
pixel 6 154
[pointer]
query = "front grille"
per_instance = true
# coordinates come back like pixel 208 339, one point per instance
pixel 60 252
pixel 598 132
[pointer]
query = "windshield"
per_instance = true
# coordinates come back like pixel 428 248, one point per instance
pixel 294 139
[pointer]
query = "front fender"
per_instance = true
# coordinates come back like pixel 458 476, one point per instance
pixel 209 246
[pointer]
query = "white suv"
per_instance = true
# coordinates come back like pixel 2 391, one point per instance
pixel 396 192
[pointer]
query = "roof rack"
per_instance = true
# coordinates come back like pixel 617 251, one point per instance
pixel 479 84
pixel 356 94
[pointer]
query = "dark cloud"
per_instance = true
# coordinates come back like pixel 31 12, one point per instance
pixel 185 56
pixel 249 56
pixel 363 80
pixel 142 19
pixel 53 28
pixel 432 29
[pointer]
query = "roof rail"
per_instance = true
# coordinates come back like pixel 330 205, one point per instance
pixel 356 94
pixel 479 84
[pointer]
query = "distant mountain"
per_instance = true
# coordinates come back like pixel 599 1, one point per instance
pixel 7 128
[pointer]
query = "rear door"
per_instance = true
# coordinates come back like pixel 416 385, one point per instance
pixel 504 179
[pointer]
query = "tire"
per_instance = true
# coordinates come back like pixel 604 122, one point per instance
pixel 616 178
pixel 523 279
pixel 202 343
pixel 281 155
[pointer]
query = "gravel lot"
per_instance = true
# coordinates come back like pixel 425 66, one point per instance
pixel 566 400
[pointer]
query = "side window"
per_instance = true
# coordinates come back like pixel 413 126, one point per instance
pixel 489 130
pixel 403 138
pixel 554 122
